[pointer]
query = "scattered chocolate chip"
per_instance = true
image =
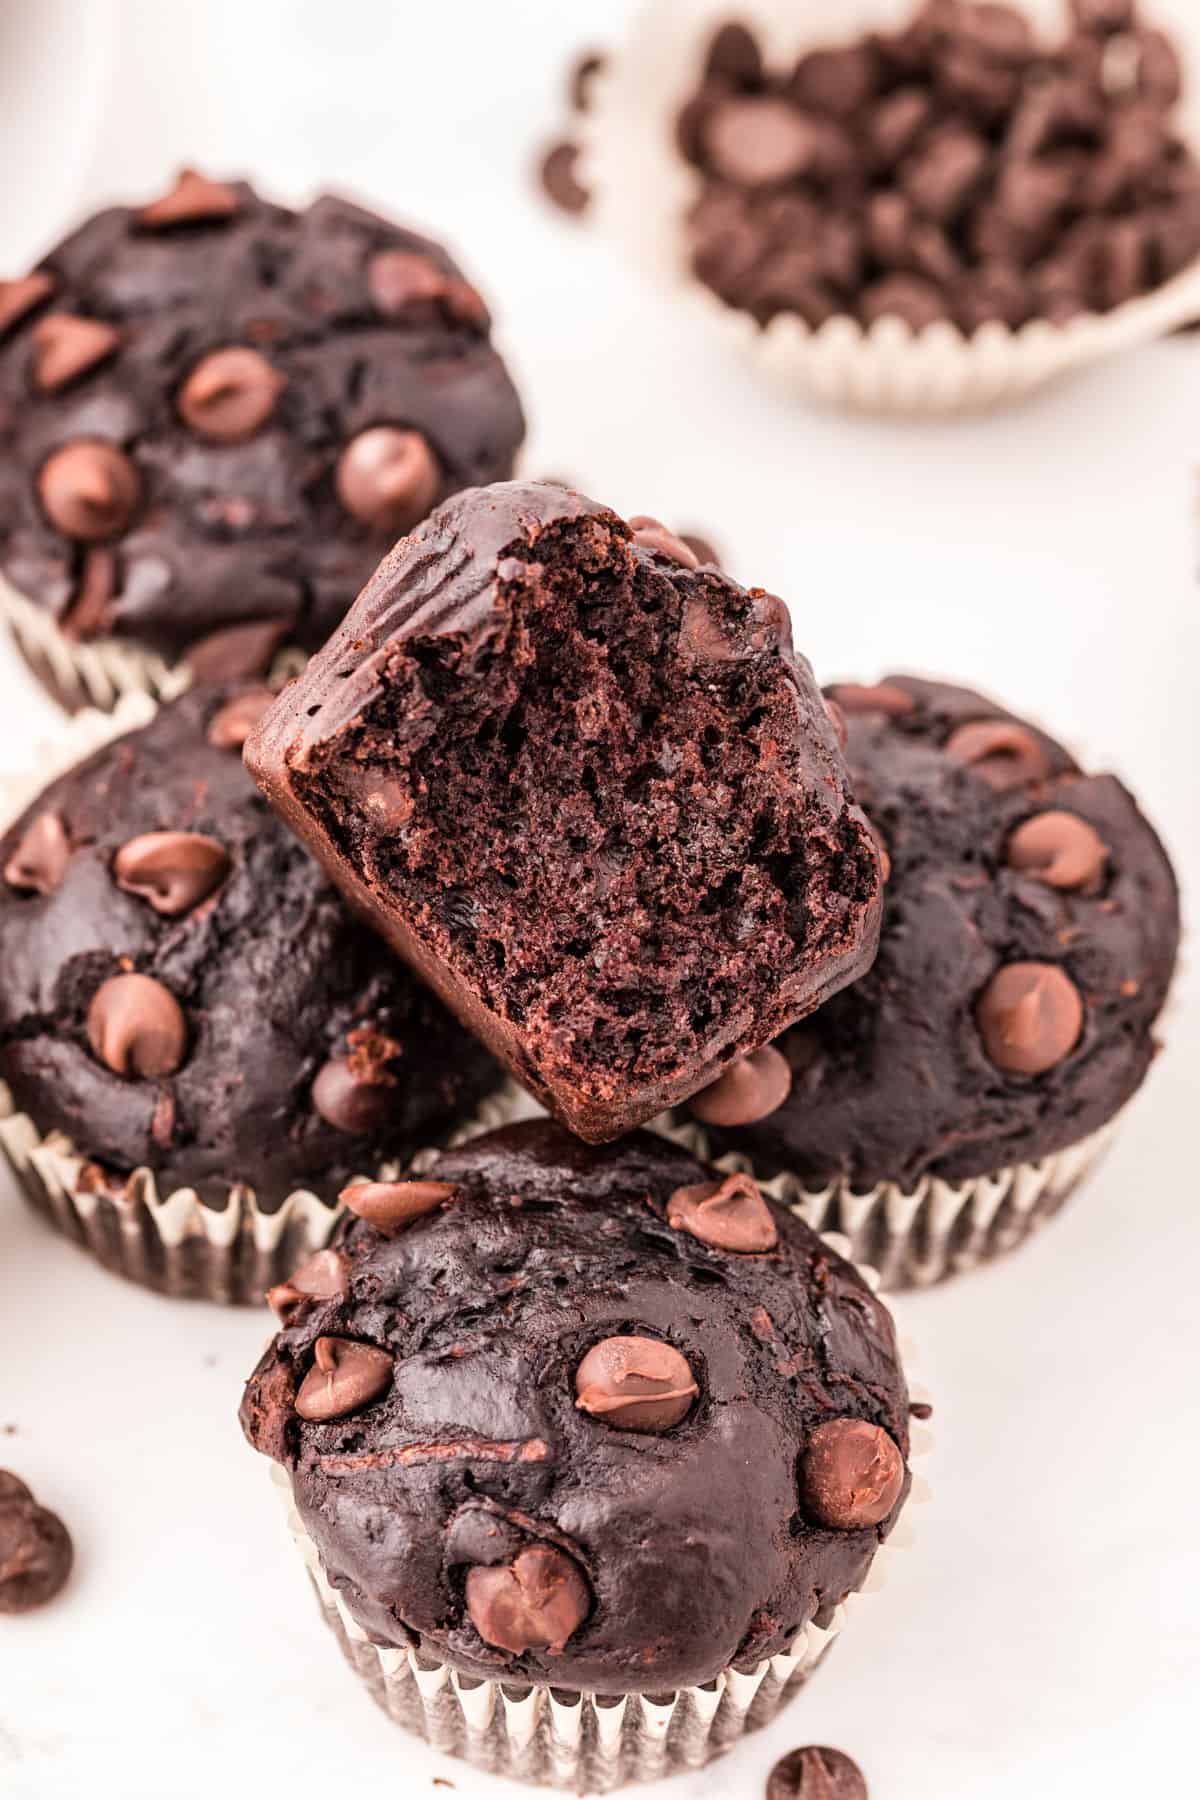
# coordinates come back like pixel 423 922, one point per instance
pixel 345 1377
pixel 36 1552
pixel 1002 753
pixel 748 1090
pixel 238 653
pixel 727 1215
pixel 136 1026
pixel 231 726
pixel 90 613
pixel 39 862
pixel 635 1384
pixel 323 1276
pixel 851 1474
pixel 19 297
pixel 173 870
pixel 349 1102
pixel 66 347
pixel 388 478
pixel 391 1205
pixel 536 1602
pixel 193 200
pixel 652 534
pixel 559 176
pixel 884 698
pixel 90 489
pixel 816 1773
pixel 230 394
pixel 580 81
pixel 1060 848
pixel 1030 1017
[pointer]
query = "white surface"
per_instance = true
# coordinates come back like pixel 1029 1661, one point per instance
pixel 1041 1638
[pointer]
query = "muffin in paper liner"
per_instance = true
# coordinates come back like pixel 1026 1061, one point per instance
pixel 641 189
pixel 171 1242
pixel 589 1743
pixel 937 1229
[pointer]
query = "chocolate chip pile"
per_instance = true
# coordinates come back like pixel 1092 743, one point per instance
pixel 955 170
pixel 35 1549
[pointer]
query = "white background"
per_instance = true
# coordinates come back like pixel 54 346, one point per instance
pixel 1041 1636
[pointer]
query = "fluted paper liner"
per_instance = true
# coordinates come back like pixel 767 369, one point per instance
pixel 588 1743
pixel 172 1242
pixel 642 189
pixel 919 1236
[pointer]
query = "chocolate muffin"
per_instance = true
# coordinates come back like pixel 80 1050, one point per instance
pixel 589 790
pixel 215 415
pixel 953 1097
pixel 592 1420
pixel 186 1006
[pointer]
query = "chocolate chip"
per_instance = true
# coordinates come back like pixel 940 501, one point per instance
pixel 401 281
pixel 231 726
pixel 896 124
pixel 1003 754
pixel 651 534
pixel 727 1215
pixel 748 1090
pixel 1030 1016
pixel 1103 17
pixel 582 78
pixel 349 1102
pixel 941 179
pixel 90 489
pixel 90 612
pixel 66 347
pixel 851 1474
pixel 635 1384
pixel 1060 848
pixel 559 176
pixel 230 394
pixel 345 1377
pixel 193 200
pixel 734 54
pixel 762 141
pixel 1159 71
pixel 894 702
pixel 816 1773
pixel 39 862
pixel 536 1602
pixel 173 870
pixel 323 1276
pixel 19 297
pixel 916 302
pixel 391 1205
pixel 239 652
pixel 838 82
pixel 388 478
pixel 36 1552
pixel 136 1026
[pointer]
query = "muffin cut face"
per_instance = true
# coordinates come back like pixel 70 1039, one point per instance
pixel 589 791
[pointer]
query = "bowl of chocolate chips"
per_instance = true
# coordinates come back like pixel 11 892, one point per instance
pixel 910 205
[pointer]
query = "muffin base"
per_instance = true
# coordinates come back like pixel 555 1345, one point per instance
pixel 938 1229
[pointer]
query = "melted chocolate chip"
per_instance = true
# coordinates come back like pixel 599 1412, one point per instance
pixel 66 347
pixel 1004 754
pixel 816 1773
pixel 391 1205
pixel 536 1602
pixel 173 870
pixel 726 1215
pixel 635 1383
pixel 39 862
pixel 1030 1017
pixel 345 1377
pixel 89 489
pixel 388 478
pixel 35 1549
pixel 851 1474
pixel 230 727
pixel 19 297
pixel 349 1101
pixel 652 534
pixel 747 1091
pixel 1060 848
pixel 323 1276
pixel 136 1026
pixel 193 200
pixel 230 394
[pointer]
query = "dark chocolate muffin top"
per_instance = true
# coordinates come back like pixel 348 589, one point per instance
pixel 216 412
pixel 1030 932
pixel 597 1417
pixel 183 990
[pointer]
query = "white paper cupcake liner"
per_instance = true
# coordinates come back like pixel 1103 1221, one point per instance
pixel 642 189
pixel 937 1229
pixel 171 1242
pixel 588 1743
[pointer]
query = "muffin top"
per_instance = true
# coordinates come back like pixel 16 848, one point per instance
pixel 1029 935
pixel 183 990
pixel 217 412
pixel 598 1417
